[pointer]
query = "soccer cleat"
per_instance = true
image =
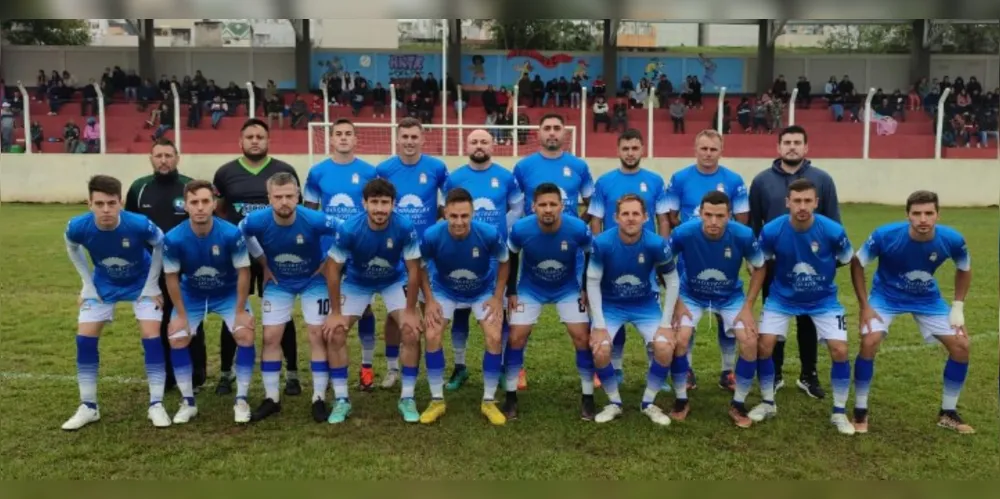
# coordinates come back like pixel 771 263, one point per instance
pixel 597 381
pixel 293 387
pixel 408 408
pixel 522 380
pixel 952 421
pixel 510 406
pixel 860 420
pixel 727 381
pixel 609 413
pixel 779 382
pixel 390 379
pixel 341 410
pixel 492 413
pixel 738 413
pixel 692 380
pixel 763 411
pixel 811 387
pixel 319 410
pixel 587 408
pixel 241 411
pixel 656 415
pixel 681 410
pixel 225 386
pixel 433 412
pixel 185 413
pixel 266 409
pixel 458 378
pixel 366 379
pixel 84 416
pixel 844 425
pixel 158 415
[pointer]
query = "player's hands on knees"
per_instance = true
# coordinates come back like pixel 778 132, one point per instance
pixel 749 324
pixel 867 319
pixel 433 314
pixel 599 337
pixel 244 319
pixel 410 320
pixel 511 304
pixel 333 324
pixel 178 324
pixel 494 310
pixel 680 311
pixel 668 333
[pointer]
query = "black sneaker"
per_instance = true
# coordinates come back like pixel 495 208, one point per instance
pixel 266 409
pixel 810 385
pixel 225 386
pixel 320 411
pixel 510 406
pixel 587 408
pixel 293 387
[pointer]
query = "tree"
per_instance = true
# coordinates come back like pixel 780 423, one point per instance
pixel 543 34
pixel 896 38
pixel 46 31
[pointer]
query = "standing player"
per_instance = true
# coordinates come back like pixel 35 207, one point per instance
pixel 125 270
pixel 499 202
pixel 374 247
pixel 685 191
pixel 908 254
pixel 610 187
pixel 418 180
pixel 713 249
pixel 242 186
pixel 620 291
pixel 550 241
pixel 552 164
pixel 807 248
pixel 468 269
pixel 287 241
pixel 207 271
pixel 334 187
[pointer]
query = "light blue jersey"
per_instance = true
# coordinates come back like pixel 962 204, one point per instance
pixel 613 185
pixel 463 269
pixel 688 186
pixel 624 268
pixel 550 269
pixel 121 256
pixel 336 188
pixel 417 188
pixel 495 194
pixel 569 172
pixel 294 253
pixel 208 265
pixel 710 269
pixel 805 267
pixel 375 258
pixel 904 281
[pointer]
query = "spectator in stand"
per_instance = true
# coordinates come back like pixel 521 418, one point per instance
pixel 761 112
pixel 600 89
pixel 432 88
pixel 955 134
pixel 677 111
pixel 132 84
pixel 831 87
pixel 777 109
pixel 59 93
pixel 219 110
pixel 71 138
pixel 7 126
pixel 619 120
pixel 16 102
pixel 92 135
pixel 274 109
pixel 316 109
pixel 846 87
pixel 601 114
pixel 958 86
pixel 563 87
pixel 804 97
pixel 744 113
pixel 973 86
pixel 987 127
pixel 199 79
pixel 490 100
pixel 550 93
pixel 639 98
pixel 626 86
pixel 882 117
pixel 164 86
pixel 379 98
pixel 358 96
pixel 504 119
pixel 413 106
pixel 922 87
pixel 298 112
pixel 537 91
pixel 779 89
pixel 962 100
pixel 37 136
pixel 270 90
pixel 503 100
pixel 194 111
pixel 41 85
pixel 147 93
pixel 333 88
pixel 89 104
pixel 166 116
pixel 427 109
pixel 931 101
pixel 107 84
pixel 417 86
pixel 696 94
pixel 664 89
pixel 898 103
pixel 913 99
pixel 575 92
pixel 491 119
pixel 232 95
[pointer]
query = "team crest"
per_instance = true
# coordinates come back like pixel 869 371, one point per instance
pixel 815 247
pixel 564 246
pixel 642 258
pixel 299 239
pixel 215 250
pixel 933 256
pixel 388 243
pixel 721 187
pixel 567 172
pixel 423 178
pixel 475 252
pixel 642 187
pixel 495 183
pixel 728 252
pixel 125 243
pixel 265 306
pixel 355 179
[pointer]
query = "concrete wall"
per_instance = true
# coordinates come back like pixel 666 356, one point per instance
pixel 62 178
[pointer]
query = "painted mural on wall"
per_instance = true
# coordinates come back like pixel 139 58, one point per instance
pixel 505 70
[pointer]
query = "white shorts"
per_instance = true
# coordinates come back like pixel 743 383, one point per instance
pixel 449 306
pixel 645 317
pixel 354 299
pixel 277 304
pixel 829 325
pixel 728 314
pixel 145 309
pixel 929 325
pixel 571 310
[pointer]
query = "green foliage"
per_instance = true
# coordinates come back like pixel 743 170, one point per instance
pixel 46 31
pixel 543 34
pixel 896 38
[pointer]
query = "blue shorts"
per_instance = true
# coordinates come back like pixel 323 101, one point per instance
pixel 645 316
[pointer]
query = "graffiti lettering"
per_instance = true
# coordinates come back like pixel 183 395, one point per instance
pixel 405 66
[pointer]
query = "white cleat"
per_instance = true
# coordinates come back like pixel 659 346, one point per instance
pixel 241 411
pixel 762 411
pixel 391 378
pixel 185 413
pixel 84 416
pixel 844 425
pixel 608 414
pixel 158 415
pixel 656 415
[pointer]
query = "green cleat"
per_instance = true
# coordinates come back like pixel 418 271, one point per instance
pixel 341 410
pixel 408 408
pixel 458 378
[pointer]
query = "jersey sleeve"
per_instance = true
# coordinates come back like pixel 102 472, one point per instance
pixel 843 245
pixel 740 198
pixel 587 181
pixel 676 241
pixel 672 194
pixel 238 251
pixel 514 240
pixel 595 264
pixel 411 246
pixel 766 242
pixel 596 208
pixel 172 251
pixel 340 250
pixel 586 240
pixel 427 249
pixel 152 234
pixel 661 205
pixel 515 195
pixel 499 249
pixel 751 250
pixel 442 175
pixel 311 192
pixel 959 252
pixel 664 256
pixel 249 232
pixel 870 251
pixel 74 233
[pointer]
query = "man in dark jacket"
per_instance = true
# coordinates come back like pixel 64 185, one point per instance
pixel 767 202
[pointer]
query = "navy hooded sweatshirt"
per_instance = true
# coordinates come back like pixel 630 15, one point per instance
pixel 770 187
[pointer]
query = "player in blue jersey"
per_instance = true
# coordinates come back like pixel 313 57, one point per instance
pixel 807 248
pixel 553 164
pixel 207 269
pixel 466 267
pixel 334 186
pixel 610 187
pixel 376 252
pixel 547 244
pixel 685 191
pixel 620 292
pixel 499 202
pixel 287 241
pixel 127 251
pixel 418 180
pixel 908 254
pixel 712 249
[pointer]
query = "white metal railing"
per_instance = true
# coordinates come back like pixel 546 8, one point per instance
pixel 26 114
pixel 791 106
pixel 722 104
pixel 517 102
pixel 101 127
pixel 583 121
pixel 444 84
pixel 939 125
pixel 649 124
pixel 252 101
pixel 868 123
pixel 326 113
pixel 459 110
pixel 392 116
pixel 177 116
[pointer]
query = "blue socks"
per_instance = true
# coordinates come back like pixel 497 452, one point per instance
pixel 87 362
pixel 156 368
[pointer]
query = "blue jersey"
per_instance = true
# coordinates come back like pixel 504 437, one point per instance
pixel 904 281
pixel 493 191
pixel 569 172
pixel 689 185
pixel 805 264
pixel 417 188
pixel 294 253
pixel 462 268
pixel 375 258
pixel 550 269
pixel 121 255
pixel 710 273
pixel 207 264
pixel 625 268
pixel 336 188
pixel 613 185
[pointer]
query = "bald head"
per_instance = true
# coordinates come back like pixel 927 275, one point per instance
pixel 479 144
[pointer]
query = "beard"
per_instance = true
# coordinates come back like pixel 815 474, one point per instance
pixel 633 166
pixel 479 157
pixel 255 157
pixel 792 161
pixel 168 177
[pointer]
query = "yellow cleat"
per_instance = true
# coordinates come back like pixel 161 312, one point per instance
pixel 489 409
pixel 433 412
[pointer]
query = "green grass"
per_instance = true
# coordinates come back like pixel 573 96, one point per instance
pixel 38 290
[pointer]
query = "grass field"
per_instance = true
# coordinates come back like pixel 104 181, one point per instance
pixel 38 290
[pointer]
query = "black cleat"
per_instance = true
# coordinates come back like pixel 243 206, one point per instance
pixel 320 411
pixel 587 408
pixel 293 387
pixel 266 409
pixel 779 382
pixel 510 406
pixel 225 386
pixel 811 387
